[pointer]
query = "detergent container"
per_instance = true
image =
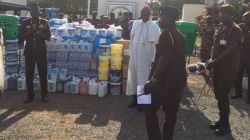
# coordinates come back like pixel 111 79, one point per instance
pixel 21 84
pixel 104 62
pixel 115 88
pixel 102 89
pixel 116 62
pixel 52 85
pixel 103 74
pixel 116 49
pixel 93 87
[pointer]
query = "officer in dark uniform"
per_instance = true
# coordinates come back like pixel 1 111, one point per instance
pixel 35 31
pixel 225 65
pixel 167 77
pixel 94 20
pixel 244 58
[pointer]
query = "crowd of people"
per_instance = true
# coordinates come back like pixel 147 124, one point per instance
pixel 157 60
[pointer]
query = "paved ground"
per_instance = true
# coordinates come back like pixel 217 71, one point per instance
pixel 69 117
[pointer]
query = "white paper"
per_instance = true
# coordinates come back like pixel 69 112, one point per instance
pixel 143 99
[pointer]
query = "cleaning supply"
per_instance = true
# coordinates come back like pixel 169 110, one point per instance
pixel 103 74
pixel 67 87
pixel 116 62
pixel 116 49
pixel 21 83
pixel 83 87
pixel 104 62
pixel 75 86
pixel 115 88
pixel 52 85
pixel 60 86
pixel 102 89
pixel 36 85
pixel 104 50
pixel 93 87
pixel 115 76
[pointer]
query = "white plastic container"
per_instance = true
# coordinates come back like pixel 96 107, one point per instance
pixel 11 45
pixel 6 82
pixel 36 85
pixel 102 89
pixel 71 32
pixel 52 85
pixel 75 87
pixel 21 84
pixel 93 87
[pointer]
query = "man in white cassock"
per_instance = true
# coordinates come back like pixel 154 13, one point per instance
pixel 144 35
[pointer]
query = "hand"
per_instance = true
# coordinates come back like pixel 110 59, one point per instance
pixel 149 86
pixel 209 65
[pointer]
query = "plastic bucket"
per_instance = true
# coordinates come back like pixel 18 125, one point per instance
pixel 104 50
pixel 116 49
pixel 103 74
pixel 104 62
pixel 115 76
pixel 115 88
pixel 116 63
pixel 11 45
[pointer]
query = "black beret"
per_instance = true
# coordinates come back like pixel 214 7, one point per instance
pixel 227 8
pixel 169 11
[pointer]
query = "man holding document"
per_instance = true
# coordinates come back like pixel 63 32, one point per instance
pixel 167 77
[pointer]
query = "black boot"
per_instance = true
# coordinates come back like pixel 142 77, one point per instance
pixel 224 128
pixel 236 96
pixel 133 103
pixel 217 124
pixel 28 100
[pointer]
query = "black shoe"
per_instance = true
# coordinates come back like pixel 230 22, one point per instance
pixel 236 96
pixel 223 130
pixel 215 125
pixel 45 100
pixel 132 105
pixel 28 100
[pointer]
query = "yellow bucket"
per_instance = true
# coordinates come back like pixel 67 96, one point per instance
pixel 104 62
pixel 103 74
pixel 116 63
pixel 116 49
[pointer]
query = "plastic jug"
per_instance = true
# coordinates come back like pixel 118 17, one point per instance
pixel 67 87
pixel 21 84
pixel 75 87
pixel 36 85
pixel 102 89
pixel 83 87
pixel 52 85
pixel 60 86
pixel 93 87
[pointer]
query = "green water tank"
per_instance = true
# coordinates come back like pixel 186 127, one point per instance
pixel 189 29
pixel 10 26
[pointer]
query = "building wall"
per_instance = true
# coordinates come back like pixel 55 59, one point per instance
pixel 104 6
pixel 191 11
pixel 20 2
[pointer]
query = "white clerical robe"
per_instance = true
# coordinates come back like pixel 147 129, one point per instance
pixel 142 51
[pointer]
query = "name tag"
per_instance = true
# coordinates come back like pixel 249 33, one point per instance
pixel 223 42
